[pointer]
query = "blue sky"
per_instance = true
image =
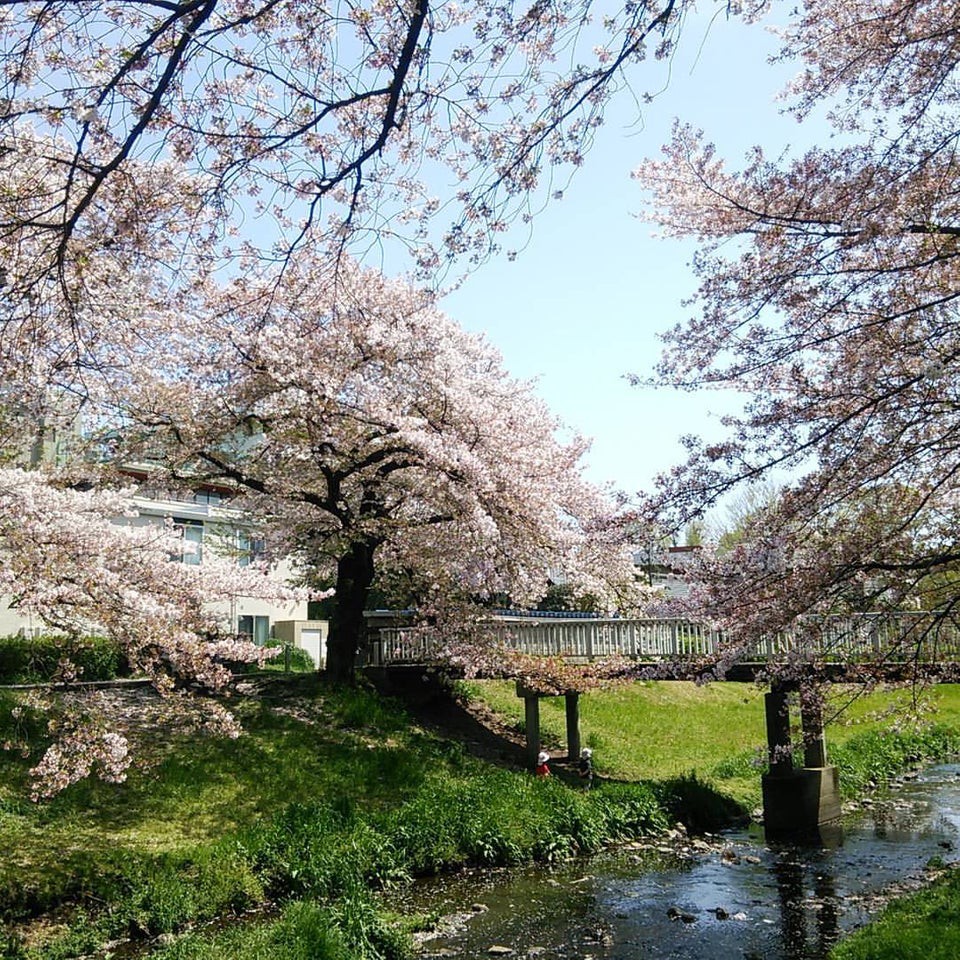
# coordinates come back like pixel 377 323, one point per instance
pixel 582 305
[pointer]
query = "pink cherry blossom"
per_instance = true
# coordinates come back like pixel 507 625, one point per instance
pixel 834 310
pixel 374 435
pixel 76 560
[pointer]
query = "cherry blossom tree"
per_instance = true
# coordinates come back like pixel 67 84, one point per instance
pixel 79 561
pixel 147 146
pixel 320 120
pixel 371 434
pixel 829 285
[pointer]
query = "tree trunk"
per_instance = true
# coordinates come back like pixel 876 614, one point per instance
pixel 347 626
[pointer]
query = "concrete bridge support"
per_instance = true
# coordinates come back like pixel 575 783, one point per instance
pixel 531 715
pixel 573 725
pixel 531 725
pixel 797 800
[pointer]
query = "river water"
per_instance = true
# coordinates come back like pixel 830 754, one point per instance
pixel 731 896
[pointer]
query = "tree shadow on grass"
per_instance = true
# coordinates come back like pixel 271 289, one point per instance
pixel 480 731
pixel 698 805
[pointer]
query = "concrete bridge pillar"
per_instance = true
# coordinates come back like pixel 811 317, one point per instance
pixel 811 719
pixel 797 800
pixel 573 725
pixel 531 726
pixel 779 749
pixel 531 717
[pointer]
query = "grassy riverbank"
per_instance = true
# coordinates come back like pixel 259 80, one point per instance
pixel 924 925
pixel 716 733
pixel 332 795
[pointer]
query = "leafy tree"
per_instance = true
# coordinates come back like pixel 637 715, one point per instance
pixel 745 506
pixel 836 309
pixel 693 534
pixel 149 149
pixel 563 597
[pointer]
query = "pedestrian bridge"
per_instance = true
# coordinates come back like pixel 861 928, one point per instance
pixel 893 638
pixel 796 798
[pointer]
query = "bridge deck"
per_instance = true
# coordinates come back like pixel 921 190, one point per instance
pixel 894 639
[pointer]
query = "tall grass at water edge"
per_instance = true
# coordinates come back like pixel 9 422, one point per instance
pixel 923 925
pixel 333 854
pixel 387 801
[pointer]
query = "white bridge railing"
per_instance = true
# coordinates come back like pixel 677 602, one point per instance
pixel 894 637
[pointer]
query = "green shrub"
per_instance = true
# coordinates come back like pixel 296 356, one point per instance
pixel 321 850
pixel 38 659
pixel 364 929
pixel 502 818
pixel 876 756
pixel 629 809
pixel 285 658
pixel 296 660
pixel 353 930
pixel 158 894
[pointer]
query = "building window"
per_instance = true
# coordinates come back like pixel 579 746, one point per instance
pixel 191 532
pixel 249 549
pixel 256 629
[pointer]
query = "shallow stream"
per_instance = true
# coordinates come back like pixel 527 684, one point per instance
pixel 727 897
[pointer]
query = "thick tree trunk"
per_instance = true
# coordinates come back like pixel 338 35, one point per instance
pixel 347 627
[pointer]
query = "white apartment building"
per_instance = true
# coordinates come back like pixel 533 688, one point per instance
pixel 206 522
pixel 211 528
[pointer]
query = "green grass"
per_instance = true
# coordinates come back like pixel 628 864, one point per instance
pixel 196 790
pixel 648 730
pixel 330 793
pixel 305 931
pixel 333 793
pixel 925 924
pixel 715 733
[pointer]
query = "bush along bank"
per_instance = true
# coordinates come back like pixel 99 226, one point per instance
pixel 876 757
pixel 48 658
pixel 333 855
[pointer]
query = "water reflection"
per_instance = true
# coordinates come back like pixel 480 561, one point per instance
pixel 741 900
pixel 802 935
